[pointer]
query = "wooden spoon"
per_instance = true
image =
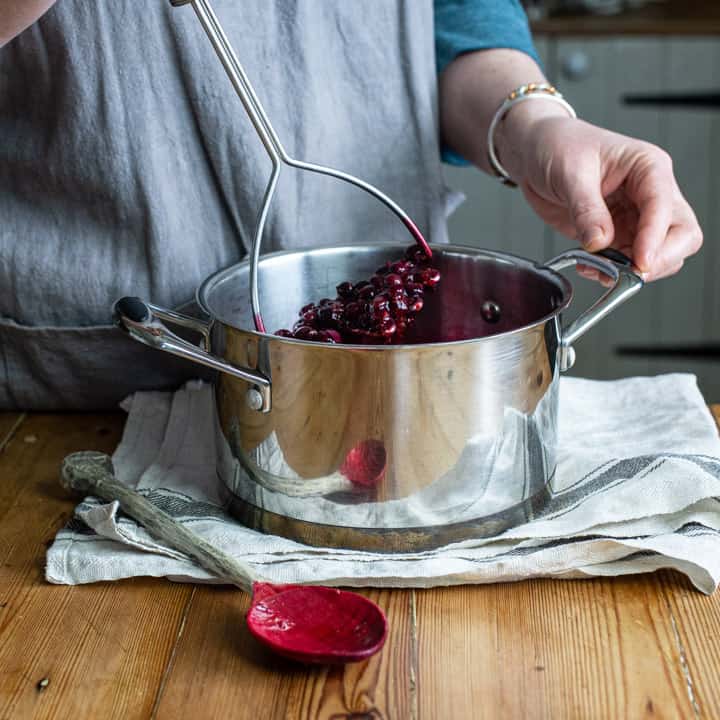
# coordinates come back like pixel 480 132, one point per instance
pixel 307 623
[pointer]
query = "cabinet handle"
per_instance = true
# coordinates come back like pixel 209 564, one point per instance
pixel 576 65
pixel 692 101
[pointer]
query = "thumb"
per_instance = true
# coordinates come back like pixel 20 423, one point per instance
pixel 591 217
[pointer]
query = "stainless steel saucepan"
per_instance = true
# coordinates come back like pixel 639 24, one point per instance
pixel 398 447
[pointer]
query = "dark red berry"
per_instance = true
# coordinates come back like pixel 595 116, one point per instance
pixel 306 333
pixel 325 316
pixel 377 311
pixel 417 255
pixel 430 277
pixel 381 301
pixel 345 290
pixel 388 327
pixel 365 321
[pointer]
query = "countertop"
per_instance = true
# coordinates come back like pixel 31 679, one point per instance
pixel 673 17
pixel 642 646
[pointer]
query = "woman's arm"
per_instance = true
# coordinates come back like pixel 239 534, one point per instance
pixel 471 90
pixel 17 15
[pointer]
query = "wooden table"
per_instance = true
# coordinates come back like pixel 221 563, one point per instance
pixel 644 646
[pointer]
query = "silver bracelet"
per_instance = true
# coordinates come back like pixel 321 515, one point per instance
pixel 531 91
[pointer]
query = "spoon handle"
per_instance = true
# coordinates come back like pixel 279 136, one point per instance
pixel 92 472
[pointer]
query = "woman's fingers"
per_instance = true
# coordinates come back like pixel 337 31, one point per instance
pixel 590 215
pixel 608 190
pixel 651 185
pixel 683 239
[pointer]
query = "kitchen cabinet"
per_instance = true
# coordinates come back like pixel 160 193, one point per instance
pixel 595 74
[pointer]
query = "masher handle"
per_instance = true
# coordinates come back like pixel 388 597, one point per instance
pixel 236 73
pixel 261 123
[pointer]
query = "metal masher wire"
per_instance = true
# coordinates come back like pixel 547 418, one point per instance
pixel 274 148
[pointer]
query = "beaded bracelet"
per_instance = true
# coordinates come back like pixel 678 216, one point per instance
pixel 531 91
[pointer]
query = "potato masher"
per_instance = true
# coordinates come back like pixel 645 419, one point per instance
pixel 274 147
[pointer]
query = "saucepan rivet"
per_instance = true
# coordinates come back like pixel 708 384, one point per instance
pixel 490 311
pixel 567 358
pixel 254 399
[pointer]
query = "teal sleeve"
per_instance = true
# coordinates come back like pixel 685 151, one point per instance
pixel 463 26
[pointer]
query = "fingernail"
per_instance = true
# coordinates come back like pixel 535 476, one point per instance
pixel 592 237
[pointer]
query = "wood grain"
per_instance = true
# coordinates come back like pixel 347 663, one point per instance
pixel 643 646
pixel 715 410
pixel 549 649
pixel 9 424
pixel 696 619
pixel 102 648
pixel 219 670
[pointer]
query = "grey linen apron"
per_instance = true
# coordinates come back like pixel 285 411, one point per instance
pixel 127 166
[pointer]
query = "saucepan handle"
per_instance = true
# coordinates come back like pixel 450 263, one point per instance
pixel 626 282
pixel 142 321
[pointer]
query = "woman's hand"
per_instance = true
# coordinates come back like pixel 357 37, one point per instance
pixel 604 189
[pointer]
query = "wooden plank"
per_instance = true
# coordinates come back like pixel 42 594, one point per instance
pixel 10 422
pixel 696 621
pixel 37 446
pixel 715 410
pixel 220 671
pixel 103 647
pixel 550 649
pixel 601 648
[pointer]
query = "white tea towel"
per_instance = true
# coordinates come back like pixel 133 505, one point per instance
pixel 637 488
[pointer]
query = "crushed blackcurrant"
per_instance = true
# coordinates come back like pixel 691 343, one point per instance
pixel 371 312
